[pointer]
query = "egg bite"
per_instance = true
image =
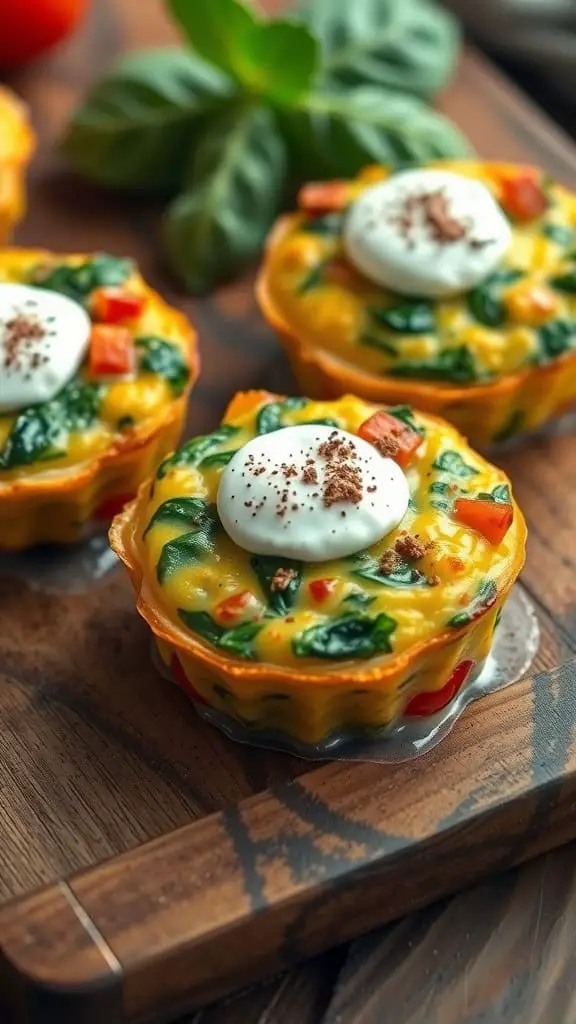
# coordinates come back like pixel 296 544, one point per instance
pixel 16 147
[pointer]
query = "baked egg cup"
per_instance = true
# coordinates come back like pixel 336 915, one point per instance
pixel 16 147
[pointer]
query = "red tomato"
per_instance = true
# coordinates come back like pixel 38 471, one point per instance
pixel 111 351
pixel 319 197
pixel 113 305
pixel 184 683
pixel 523 197
pixel 28 27
pixel 231 610
pixel 112 506
pixel 428 703
pixel 490 518
pixel 320 590
pixel 382 430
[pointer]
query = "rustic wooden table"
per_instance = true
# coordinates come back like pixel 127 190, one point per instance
pixel 502 951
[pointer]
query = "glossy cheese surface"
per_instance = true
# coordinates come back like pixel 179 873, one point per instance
pixel 523 315
pixel 348 609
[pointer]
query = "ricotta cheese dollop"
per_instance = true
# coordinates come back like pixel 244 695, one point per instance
pixel 44 337
pixel 428 233
pixel 310 493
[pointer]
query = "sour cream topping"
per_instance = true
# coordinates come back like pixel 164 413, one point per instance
pixel 43 339
pixel 430 233
pixel 310 493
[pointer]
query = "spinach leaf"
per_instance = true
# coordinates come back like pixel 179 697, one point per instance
pixel 189 548
pixel 313 278
pixel 351 636
pixel 359 599
pixel 218 459
pixel 237 640
pixel 232 195
pixel 405 413
pixel 184 512
pixel 485 597
pixel 565 282
pixel 455 364
pixel 452 462
pixel 556 337
pixel 394 45
pixel 270 416
pixel 500 493
pixel 40 433
pixel 375 341
pixel 409 318
pixel 331 224
pixel 445 501
pixel 165 359
pixel 192 453
pixel 136 127
pixel 404 575
pixel 266 567
pixel 125 423
pixel 77 282
pixel 485 302
pixel 558 233
pixel 512 426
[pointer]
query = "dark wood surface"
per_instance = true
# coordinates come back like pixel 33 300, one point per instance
pixel 96 760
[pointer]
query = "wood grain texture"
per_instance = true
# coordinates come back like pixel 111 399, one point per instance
pixel 99 756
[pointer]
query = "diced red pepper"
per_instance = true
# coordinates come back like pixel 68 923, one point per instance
pixel 319 197
pixel 320 590
pixel 341 273
pixel 184 683
pixel 111 507
pixel 113 305
pixel 523 197
pixel 232 609
pixel 391 437
pixel 111 351
pixel 490 518
pixel 429 703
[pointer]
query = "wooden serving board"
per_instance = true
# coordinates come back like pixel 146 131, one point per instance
pixel 148 864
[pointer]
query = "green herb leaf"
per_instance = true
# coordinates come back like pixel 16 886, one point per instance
pixel 218 459
pixel 485 597
pixel 313 278
pixel 270 416
pixel 336 134
pixel 266 567
pixel 192 453
pixel 556 337
pixel 455 364
pixel 276 59
pixel 500 493
pixel 405 413
pixel 565 282
pixel 331 224
pixel 452 462
pixel 165 359
pixel 446 495
pixel 191 547
pixel 558 233
pixel 351 636
pixel 237 640
pixel 396 44
pixel 512 426
pixel 77 282
pixel 485 302
pixel 404 575
pixel 409 318
pixel 379 342
pixel 185 512
pixel 359 599
pixel 203 623
pixel 233 194
pixel 135 128
pixel 41 432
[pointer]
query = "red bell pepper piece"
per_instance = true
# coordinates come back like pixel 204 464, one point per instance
pixel 319 197
pixel 320 590
pixel 492 519
pixel 111 351
pixel 429 703
pixel 391 437
pixel 113 305
pixel 232 609
pixel 523 197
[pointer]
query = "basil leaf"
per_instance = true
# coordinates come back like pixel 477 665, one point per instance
pixel 374 341
pixel 192 453
pixel 486 596
pixel 165 359
pixel 233 194
pixel 352 636
pixel 276 59
pixel 396 44
pixel 77 282
pixel 455 364
pixel 270 416
pixel 218 459
pixel 331 224
pixel 565 282
pixel 558 233
pixel 237 640
pixel 512 426
pixel 452 462
pixel 40 432
pixel 336 134
pixel 410 318
pixel 556 337
pixel 405 413
pixel 404 575
pixel 135 128
pixel 189 548
pixel 500 493
pixel 266 567
pixel 485 303
pixel 184 512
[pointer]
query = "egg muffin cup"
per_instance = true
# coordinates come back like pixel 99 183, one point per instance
pixel 426 632
pixel 16 148
pixel 521 332
pixel 124 427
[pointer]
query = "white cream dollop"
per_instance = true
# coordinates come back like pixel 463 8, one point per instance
pixel 43 339
pixel 429 233
pixel 279 495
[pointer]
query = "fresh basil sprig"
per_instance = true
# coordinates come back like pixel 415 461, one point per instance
pixel 254 105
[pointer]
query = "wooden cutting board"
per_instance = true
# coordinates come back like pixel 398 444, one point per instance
pixel 149 865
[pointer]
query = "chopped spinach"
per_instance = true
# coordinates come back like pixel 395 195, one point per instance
pixel 192 453
pixel 404 575
pixel 184 512
pixel 457 364
pixel 40 433
pixel 237 640
pixel 266 567
pixel 405 413
pixel 485 302
pixel 125 423
pixel 558 233
pixel 409 318
pixel 374 341
pixel 165 359
pixel 351 636
pixel 500 493
pixel 191 547
pixel 270 416
pixel 218 459
pixel 444 502
pixel 556 338
pixel 359 599
pixel 313 278
pixel 485 597
pixel 452 462
pixel 330 224
pixel 511 427
pixel 565 282
pixel 77 282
